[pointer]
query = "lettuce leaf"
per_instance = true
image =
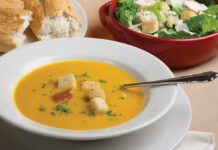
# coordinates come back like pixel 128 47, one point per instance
pixel 202 24
pixel 212 10
pixel 207 2
pixel 156 9
pixel 177 10
pixel 171 30
pixel 176 35
pixel 177 5
pixel 126 12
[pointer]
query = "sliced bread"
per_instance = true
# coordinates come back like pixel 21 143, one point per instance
pixel 53 19
pixel 13 23
pixel 16 4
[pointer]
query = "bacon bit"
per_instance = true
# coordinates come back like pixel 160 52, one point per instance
pixel 62 96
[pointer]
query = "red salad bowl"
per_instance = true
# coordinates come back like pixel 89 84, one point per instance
pixel 176 53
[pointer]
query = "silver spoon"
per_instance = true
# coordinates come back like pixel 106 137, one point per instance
pixel 201 77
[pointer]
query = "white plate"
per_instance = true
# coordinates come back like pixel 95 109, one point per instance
pixel 164 134
pixel 82 16
pixel 142 65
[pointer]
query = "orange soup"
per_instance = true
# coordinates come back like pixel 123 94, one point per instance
pixel 34 95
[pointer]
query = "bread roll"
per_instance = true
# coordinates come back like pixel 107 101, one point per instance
pixel 16 4
pixel 53 19
pixel 13 23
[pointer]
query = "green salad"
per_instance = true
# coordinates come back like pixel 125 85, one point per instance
pixel 175 19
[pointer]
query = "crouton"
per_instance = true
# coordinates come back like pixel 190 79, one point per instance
pixel 150 26
pixel 187 14
pixel 96 93
pixel 172 20
pixel 98 105
pixel 89 85
pixel 67 81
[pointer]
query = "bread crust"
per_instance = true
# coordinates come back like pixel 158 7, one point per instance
pixel 47 8
pixel 38 15
pixel 16 4
pixel 6 33
pixel 10 23
pixel 6 41
pixel 8 15
pixel 58 8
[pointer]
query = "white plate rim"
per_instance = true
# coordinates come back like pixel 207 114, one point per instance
pixel 189 121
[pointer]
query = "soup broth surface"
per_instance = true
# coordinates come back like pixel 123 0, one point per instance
pixel 33 96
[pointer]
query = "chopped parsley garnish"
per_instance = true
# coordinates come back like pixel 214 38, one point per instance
pixel 50 81
pixel 43 85
pixel 102 81
pixel 122 97
pixel 65 110
pixel 34 90
pixel 53 113
pixel 109 113
pixel 41 108
pixel 60 108
pixel 113 91
pixel 44 94
pixel 91 114
pixel 85 74
pixel 83 112
pixel 111 119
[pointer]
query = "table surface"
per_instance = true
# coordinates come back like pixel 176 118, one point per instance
pixel 203 97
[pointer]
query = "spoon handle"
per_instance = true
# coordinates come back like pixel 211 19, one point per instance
pixel 196 78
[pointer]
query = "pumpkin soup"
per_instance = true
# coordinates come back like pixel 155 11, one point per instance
pixel 78 95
